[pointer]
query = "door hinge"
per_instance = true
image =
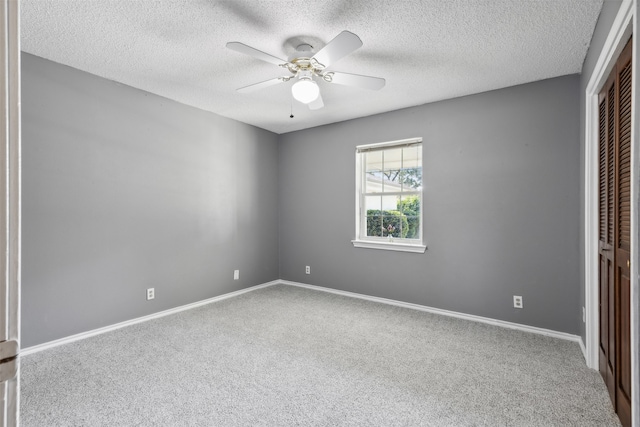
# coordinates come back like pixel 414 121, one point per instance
pixel 8 360
pixel 8 350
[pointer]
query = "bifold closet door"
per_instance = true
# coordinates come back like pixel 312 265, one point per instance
pixel 614 234
pixel 606 132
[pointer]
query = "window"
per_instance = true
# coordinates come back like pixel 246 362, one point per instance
pixel 389 196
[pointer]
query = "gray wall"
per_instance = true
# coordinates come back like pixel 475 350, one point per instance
pixel 501 175
pixel 124 190
pixel 605 21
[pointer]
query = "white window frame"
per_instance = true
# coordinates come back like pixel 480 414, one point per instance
pixel 370 242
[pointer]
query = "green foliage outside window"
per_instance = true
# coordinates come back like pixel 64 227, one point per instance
pixel 401 223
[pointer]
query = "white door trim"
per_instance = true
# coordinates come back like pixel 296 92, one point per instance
pixel 10 207
pixel 624 25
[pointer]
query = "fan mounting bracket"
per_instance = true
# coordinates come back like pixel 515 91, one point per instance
pixel 306 66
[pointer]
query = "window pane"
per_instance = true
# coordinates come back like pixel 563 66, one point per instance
pixel 373 161
pixel 374 224
pixel 392 221
pixel 413 227
pixel 411 168
pixel 373 172
pixel 391 181
pixel 373 203
pixel 373 182
pixel 412 157
pixel 394 224
pixel 391 170
pixel 409 206
pixel 390 203
pixel 392 158
pixel 411 179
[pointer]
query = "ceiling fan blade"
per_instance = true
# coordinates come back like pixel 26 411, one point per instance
pixel 317 104
pixel 365 82
pixel 342 45
pixel 248 50
pixel 261 85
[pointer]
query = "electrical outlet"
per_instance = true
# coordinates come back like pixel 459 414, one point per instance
pixel 236 274
pixel 584 315
pixel 151 293
pixel 517 301
pixel 307 269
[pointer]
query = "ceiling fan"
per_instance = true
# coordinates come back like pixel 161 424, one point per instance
pixel 304 66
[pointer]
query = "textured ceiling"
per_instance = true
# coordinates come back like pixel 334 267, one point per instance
pixel 426 50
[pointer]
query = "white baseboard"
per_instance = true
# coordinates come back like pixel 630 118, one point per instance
pixel 584 350
pixel 83 335
pixel 473 318
pixel 501 323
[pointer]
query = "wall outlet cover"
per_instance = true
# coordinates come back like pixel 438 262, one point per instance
pixel 151 293
pixel 236 274
pixel 517 301
pixel 307 270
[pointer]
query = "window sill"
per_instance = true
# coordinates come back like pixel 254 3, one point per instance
pixel 389 246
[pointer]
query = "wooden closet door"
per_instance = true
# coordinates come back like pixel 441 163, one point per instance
pixel 623 239
pixel 614 134
pixel 607 126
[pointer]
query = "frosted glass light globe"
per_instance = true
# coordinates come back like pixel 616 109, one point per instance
pixel 305 90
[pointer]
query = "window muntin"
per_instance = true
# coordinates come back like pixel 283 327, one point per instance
pixel 389 186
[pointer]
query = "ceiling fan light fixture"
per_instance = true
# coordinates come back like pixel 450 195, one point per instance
pixel 305 90
pixel 303 65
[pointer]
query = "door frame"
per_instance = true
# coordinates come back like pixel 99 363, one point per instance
pixel 10 206
pixel 624 25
